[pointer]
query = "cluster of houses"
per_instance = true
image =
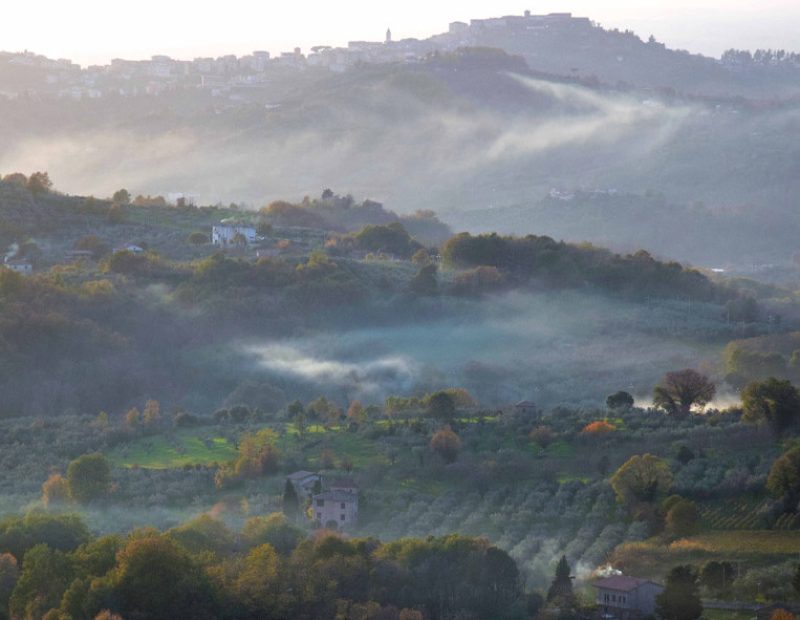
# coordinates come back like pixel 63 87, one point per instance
pixel 332 504
pixel 231 76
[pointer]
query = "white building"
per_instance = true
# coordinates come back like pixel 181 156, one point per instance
pixel 20 265
pixel 626 598
pixel 225 234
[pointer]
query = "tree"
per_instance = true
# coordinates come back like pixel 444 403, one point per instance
pixel 598 427
pixel 291 504
pixel 683 518
pixel 560 591
pixel 774 402
pixel 121 196
pixel 685 455
pixel 9 573
pixel 421 257
pixel 274 530
pixel 642 478
pixel 39 183
pixel 55 490
pixel 446 444
pixel 441 405
pixel 356 413
pixel 299 422
pixel 132 418
pixel 258 583
pixel 157 579
pixel 45 576
pixel 425 283
pixel 115 214
pixel 796 579
pixel 542 436
pixel 619 400
pixel 679 391
pixel 680 599
pixel 151 415
pixel 16 178
pixel 717 577
pixel 784 478
pixel 89 477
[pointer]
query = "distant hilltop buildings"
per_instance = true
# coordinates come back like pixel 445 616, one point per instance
pixel 64 79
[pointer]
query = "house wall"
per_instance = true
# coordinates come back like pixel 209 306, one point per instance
pixel 223 235
pixel 333 510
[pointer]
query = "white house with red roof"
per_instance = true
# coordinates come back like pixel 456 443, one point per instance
pixel 626 598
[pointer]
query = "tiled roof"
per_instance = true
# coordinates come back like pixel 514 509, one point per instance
pixel 337 496
pixel 623 583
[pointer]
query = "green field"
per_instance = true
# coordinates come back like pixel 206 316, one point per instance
pixel 188 447
pixel 200 447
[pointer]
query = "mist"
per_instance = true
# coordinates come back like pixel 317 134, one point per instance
pixel 552 348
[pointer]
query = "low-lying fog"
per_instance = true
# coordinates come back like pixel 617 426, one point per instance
pixel 552 348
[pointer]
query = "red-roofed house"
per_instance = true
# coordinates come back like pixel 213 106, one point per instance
pixel 625 598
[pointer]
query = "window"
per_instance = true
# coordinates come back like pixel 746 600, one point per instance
pixel 342 517
pixel 320 502
pixel 319 516
pixel 342 505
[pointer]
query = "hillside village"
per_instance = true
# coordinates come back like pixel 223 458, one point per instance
pixel 554 43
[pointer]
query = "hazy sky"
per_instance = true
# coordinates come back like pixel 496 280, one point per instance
pixel 92 31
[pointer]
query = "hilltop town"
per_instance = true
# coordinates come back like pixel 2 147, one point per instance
pixel 558 43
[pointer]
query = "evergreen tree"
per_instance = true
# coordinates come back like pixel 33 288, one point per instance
pixel 560 591
pixel 290 501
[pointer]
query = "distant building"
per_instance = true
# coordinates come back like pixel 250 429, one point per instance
pixel 626 598
pixel 225 234
pixel 304 482
pixel 180 198
pixel 20 265
pixel 130 247
pixel 526 408
pixel 335 509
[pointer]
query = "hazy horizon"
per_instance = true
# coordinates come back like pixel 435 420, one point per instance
pixel 185 31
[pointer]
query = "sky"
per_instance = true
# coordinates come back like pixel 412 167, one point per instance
pixel 94 31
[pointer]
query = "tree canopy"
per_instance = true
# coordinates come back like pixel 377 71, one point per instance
pixel 679 391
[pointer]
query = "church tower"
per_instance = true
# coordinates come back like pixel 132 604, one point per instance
pixel 388 35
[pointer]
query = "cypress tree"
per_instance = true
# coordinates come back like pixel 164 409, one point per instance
pixel 290 501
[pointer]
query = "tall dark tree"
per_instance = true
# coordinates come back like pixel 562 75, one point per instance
pixel 560 591
pixel 680 599
pixel 291 504
pixel 679 391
